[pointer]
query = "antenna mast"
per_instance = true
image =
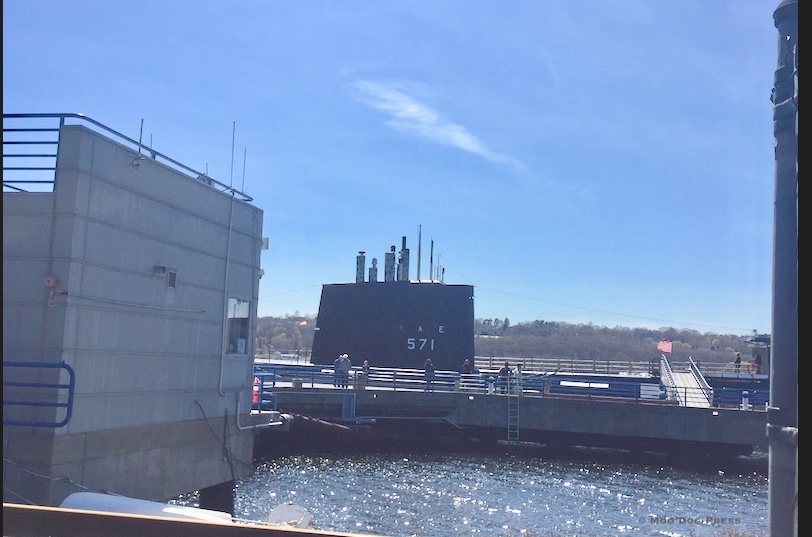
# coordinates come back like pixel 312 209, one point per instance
pixel 431 261
pixel 233 134
pixel 244 157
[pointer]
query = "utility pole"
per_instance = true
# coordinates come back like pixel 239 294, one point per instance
pixel 782 418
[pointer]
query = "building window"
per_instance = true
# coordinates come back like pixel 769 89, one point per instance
pixel 237 340
pixel 172 279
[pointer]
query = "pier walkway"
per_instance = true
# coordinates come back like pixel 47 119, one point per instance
pixel 688 390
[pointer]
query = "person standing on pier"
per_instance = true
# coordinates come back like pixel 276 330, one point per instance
pixel 429 373
pixel 504 378
pixel 738 361
pixel 345 365
pixel 466 367
pixel 337 371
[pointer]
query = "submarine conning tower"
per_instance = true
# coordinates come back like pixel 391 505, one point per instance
pixel 395 322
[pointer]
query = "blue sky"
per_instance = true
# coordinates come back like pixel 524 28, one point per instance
pixel 599 161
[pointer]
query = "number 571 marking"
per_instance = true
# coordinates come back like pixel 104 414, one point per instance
pixel 419 344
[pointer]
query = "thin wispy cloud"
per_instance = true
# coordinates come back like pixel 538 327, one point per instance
pixel 550 162
pixel 409 116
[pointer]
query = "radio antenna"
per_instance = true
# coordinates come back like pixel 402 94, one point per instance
pixel 431 261
pixel 244 157
pixel 137 160
pixel 233 133
pixel 140 137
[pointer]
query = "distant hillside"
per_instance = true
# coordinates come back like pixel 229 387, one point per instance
pixel 537 339
pixel 550 339
pixel 285 334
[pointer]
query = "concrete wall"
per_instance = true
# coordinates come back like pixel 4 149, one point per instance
pixel 157 395
pixel 573 416
pixel 630 419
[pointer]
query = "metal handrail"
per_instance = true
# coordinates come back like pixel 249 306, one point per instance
pixel 10 183
pixel 270 377
pixel 37 402
pixel 667 377
pixel 714 369
pixel 566 365
pixel 707 391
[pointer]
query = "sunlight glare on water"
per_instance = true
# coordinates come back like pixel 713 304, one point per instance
pixel 450 495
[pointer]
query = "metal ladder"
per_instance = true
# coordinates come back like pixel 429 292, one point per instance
pixel 514 391
pixel 348 406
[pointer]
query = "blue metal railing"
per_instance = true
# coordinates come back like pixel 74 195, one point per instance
pixel 32 394
pixel 732 397
pixel 26 141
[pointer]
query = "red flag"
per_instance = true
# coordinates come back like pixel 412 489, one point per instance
pixel 665 346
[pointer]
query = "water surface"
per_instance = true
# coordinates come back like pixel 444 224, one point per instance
pixel 470 494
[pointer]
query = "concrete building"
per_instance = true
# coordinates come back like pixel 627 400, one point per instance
pixel 130 289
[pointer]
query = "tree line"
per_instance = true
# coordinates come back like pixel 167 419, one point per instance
pixel 538 339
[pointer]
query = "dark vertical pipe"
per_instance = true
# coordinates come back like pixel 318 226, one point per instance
pixel 419 248
pixel 373 270
pixel 403 266
pixel 360 264
pixel 431 261
pixel 782 426
pixel 389 271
